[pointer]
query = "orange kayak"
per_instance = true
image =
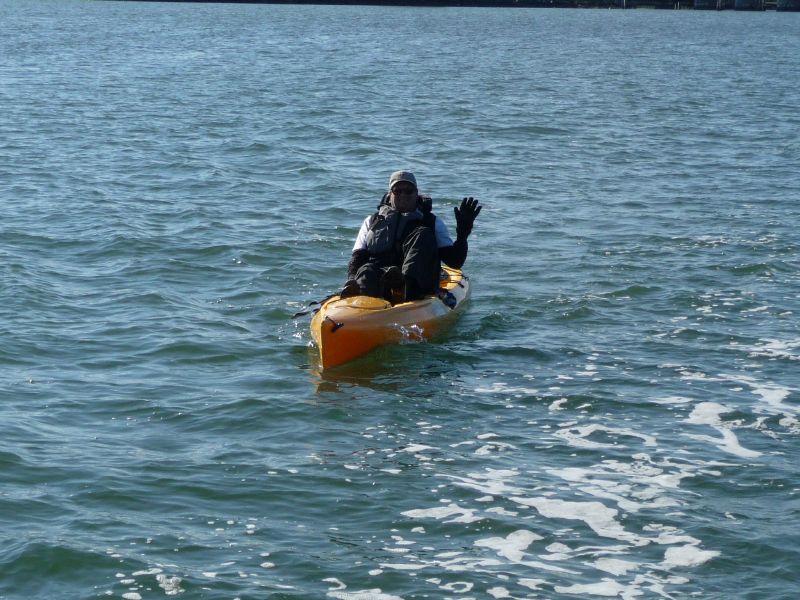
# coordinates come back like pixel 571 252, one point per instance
pixel 347 328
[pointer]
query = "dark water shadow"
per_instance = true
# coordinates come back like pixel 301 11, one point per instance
pixel 405 369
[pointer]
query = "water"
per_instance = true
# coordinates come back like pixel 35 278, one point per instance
pixel 616 415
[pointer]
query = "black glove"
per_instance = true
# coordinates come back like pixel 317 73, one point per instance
pixel 465 216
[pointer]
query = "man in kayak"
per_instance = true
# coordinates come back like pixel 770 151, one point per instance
pixel 398 249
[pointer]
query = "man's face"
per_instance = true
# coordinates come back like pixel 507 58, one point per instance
pixel 404 197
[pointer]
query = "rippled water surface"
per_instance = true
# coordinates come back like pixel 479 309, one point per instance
pixel 616 414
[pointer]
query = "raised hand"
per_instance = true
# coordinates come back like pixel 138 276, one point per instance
pixel 465 216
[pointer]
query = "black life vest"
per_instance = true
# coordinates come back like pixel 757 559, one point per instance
pixel 388 228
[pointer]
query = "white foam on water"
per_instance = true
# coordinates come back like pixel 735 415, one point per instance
pixel 755 310
pixel 417 448
pixel 729 443
pixel 170 585
pixel 492 482
pixel 531 584
pixel 563 552
pixel 708 413
pixel 615 566
pixel 410 335
pixel 772 395
pixel 132 596
pixel 790 423
pixel 634 484
pixel 651 483
pixel 375 594
pixel 606 587
pixel 499 510
pixel 470 565
pixel 558 547
pixel 672 400
pixel 503 388
pixel 599 517
pixel 687 556
pixel 785 349
pixel 493 448
pixel 557 404
pixel 675 537
pixel 576 436
pixel 153 571
pixel 459 587
pixel 555 556
pixel 688 375
pixel 512 546
pixel 466 515
pixel 498 592
pixel 402 542
pixel 404 566
pixel 465 443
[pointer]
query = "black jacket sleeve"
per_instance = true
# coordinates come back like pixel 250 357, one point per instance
pixel 357 260
pixel 456 255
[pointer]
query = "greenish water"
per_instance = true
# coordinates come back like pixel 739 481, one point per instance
pixel 615 415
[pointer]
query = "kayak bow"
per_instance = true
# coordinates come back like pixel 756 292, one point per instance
pixel 347 328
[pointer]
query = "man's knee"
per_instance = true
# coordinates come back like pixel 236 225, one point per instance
pixel 421 243
pixel 368 278
pixel 422 235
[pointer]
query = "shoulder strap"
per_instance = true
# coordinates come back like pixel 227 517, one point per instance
pixel 425 204
pixel 426 207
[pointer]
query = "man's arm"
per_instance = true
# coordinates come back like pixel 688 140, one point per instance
pixel 357 260
pixel 360 253
pixel 454 256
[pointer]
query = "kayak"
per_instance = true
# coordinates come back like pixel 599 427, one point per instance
pixel 347 328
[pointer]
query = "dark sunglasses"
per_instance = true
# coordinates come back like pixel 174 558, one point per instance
pixel 403 189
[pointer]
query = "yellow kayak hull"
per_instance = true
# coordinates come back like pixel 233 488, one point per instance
pixel 347 328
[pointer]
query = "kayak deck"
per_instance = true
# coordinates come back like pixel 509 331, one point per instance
pixel 347 328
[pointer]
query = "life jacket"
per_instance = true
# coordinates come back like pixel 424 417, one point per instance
pixel 388 228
